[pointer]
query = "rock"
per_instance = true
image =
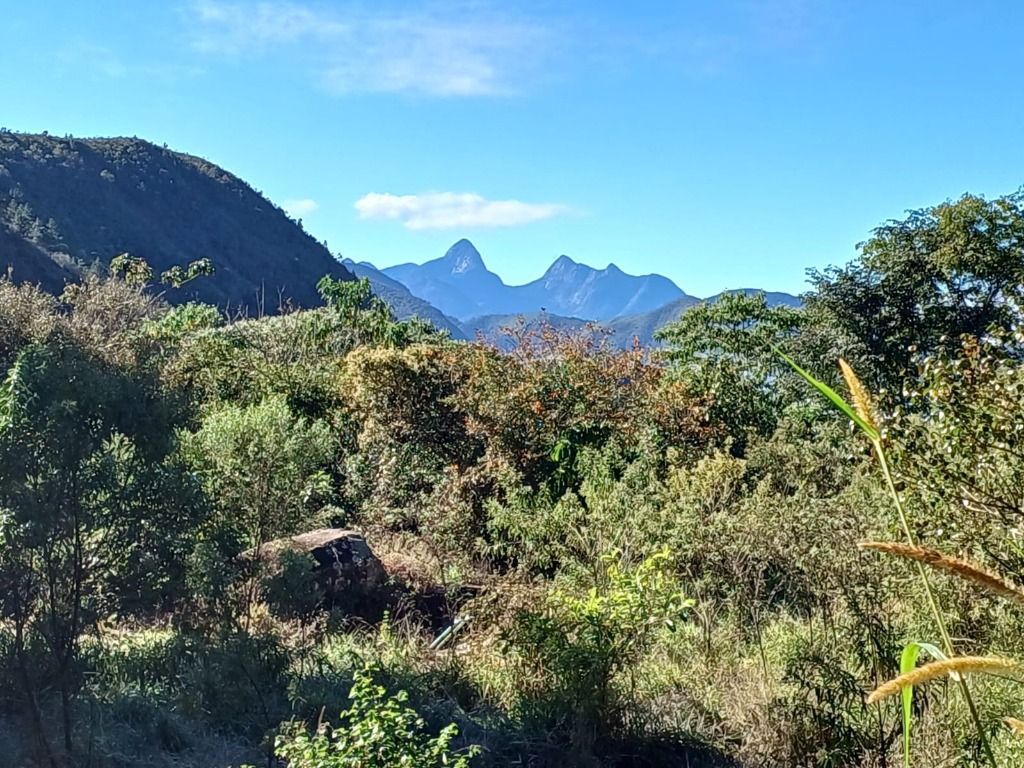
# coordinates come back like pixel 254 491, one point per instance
pixel 346 570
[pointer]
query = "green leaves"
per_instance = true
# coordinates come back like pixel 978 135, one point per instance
pixel 908 661
pixel 376 730
pixel 7 390
pixel 722 349
pixel 263 465
pixel 584 640
pixel 833 397
pixel 923 282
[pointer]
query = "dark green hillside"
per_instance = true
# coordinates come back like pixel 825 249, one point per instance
pixel 68 203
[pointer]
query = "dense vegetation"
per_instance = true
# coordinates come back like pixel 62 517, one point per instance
pixel 68 205
pixel 593 557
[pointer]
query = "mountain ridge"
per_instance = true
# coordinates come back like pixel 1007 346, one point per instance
pixel 460 285
pixel 403 304
pixel 68 203
pixel 568 295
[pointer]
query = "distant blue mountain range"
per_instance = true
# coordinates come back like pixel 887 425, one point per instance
pixel 460 285
pixel 458 293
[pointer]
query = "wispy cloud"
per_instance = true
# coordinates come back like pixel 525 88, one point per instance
pixel 455 51
pixel 452 210
pixel 299 208
pixel 100 62
pixel 97 60
pixel 235 27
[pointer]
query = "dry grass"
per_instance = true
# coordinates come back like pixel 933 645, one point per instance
pixel 1015 725
pixel 962 568
pixel 959 665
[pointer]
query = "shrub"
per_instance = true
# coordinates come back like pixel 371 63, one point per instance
pixel 573 652
pixel 264 469
pixel 377 730
pixel 409 430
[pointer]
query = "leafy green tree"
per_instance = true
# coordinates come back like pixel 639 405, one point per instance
pixel 923 282
pixel 724 350
pixel 961 446
pixel 263 469
pixel 93 520
pixel 367 318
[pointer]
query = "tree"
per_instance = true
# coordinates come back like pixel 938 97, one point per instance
pixel 89 514
pixel 921 283
pixel 725 351
pixel 262 467
pixel 366 317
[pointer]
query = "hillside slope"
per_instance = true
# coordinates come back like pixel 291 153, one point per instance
pixel 401 302
pixel 642 326
pixel 622 330
pixel 68 203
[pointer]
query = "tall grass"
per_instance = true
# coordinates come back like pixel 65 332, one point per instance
pixel 863 413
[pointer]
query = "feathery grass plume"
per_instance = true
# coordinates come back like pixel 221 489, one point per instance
pixel 958 664
pixel 962 568
pixel 1015 725
pixel 862 400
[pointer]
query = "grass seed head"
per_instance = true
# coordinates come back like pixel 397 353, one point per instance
pixel 863 403
pixel 964 569
pixel 1015 725
pixel 959 665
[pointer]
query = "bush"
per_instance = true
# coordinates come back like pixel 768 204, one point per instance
pixel 574 651
pixel 377 730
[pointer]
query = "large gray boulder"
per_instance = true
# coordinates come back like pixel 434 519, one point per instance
pixel 345 569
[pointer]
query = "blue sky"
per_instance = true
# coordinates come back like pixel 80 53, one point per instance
pixel 723 143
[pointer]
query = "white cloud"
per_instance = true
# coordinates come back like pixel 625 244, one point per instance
pixel 299 208
pixel 235 27
pixel 457 51
pixel 452 210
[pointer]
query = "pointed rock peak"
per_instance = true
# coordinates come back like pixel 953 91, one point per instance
pixel 463 256
pixel 612 269
pixel 561 265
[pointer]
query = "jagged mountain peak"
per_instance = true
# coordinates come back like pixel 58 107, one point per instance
pixel 461 285
pixel 568 293
pixel 463 257
pixel 562 266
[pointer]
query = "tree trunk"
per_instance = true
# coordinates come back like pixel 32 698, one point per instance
pixel 35 715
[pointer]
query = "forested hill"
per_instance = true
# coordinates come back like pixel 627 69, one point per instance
pixel 66 204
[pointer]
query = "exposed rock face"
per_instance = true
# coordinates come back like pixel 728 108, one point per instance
pixel 460 285
pixel 347 571
pixel 350 578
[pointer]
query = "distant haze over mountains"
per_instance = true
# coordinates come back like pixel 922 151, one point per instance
pixel 460 285
pixel 459 291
